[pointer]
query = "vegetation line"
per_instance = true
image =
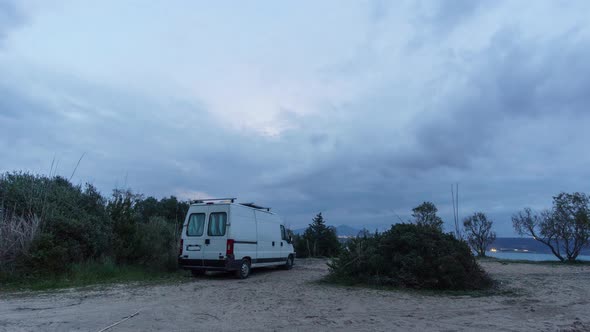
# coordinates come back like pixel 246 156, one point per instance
pixel 57 234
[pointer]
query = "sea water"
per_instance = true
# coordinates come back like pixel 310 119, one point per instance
pixel 526 249
pixel 529 256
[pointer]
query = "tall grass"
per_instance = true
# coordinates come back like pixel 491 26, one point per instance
pixel 16 236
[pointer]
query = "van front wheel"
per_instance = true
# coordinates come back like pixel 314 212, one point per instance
pixel 289 264
pixel 244 271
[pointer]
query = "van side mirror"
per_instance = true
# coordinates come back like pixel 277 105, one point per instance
pixel 290 239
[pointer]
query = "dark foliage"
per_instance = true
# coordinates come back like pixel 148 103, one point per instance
pixel 409 255
pixel 318 240
pixel 425 215
pixel 77 224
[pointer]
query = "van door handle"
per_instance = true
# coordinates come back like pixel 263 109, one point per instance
pixel 281 243
pixel 207 241
pixel 273 243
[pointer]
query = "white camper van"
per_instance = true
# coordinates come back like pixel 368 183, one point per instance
pixel 222 235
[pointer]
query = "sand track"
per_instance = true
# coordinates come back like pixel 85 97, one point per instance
pixel 537 297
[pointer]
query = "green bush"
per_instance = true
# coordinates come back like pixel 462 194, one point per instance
pixel 122 210
pixel 300 246
pixel 318 240
pixel 156 245
pixel 47 256
pixel 77 225
pixel 142 233
pixel 410 256
pixel 73 227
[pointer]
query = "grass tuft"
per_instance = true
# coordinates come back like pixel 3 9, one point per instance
pixel 91 273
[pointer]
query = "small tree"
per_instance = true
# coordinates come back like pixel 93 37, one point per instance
pixel 425 215
pixel 122 209
pixel 479 232
pixel 321 240
pixel 565 229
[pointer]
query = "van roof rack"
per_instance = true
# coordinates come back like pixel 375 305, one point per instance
pixel 254 206
pixel 232 200
pixel 197 201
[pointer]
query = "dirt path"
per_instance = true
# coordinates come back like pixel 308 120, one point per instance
pixel 547 298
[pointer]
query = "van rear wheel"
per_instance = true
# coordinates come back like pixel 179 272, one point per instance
pixel 244 271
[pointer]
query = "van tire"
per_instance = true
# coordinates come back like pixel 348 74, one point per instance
pixel 197 273
pixel 289 263
pixel 244 270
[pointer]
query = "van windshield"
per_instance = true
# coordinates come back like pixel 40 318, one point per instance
pixel 283 233
pixel 196 224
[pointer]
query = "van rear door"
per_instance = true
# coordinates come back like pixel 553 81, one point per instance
pixel 216 236
pixel 194 239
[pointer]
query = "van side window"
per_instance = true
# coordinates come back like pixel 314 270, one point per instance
pixel 217 221
pixel 283 234
pixel 196 224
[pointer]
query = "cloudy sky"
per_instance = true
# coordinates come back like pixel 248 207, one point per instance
pixel 358 109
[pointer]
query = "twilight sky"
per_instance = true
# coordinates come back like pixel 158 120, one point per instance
pixel 358 109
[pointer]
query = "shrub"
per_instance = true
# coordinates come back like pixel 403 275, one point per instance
pixel 318 240
pixel 300 246
pixel 47 256
pixel 122 209
pixel 156 244
pixel 70 223
pixel 409 255
pixel 48 225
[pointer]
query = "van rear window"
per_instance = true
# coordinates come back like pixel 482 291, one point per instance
pixel 196 224
pixel 217 221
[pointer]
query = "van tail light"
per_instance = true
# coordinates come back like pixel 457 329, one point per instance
pixel 181 246
pixel 229 250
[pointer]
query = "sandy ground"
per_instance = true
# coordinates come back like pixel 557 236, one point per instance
pixel 534 298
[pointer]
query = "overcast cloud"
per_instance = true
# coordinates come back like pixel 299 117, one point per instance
pixel 360 109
